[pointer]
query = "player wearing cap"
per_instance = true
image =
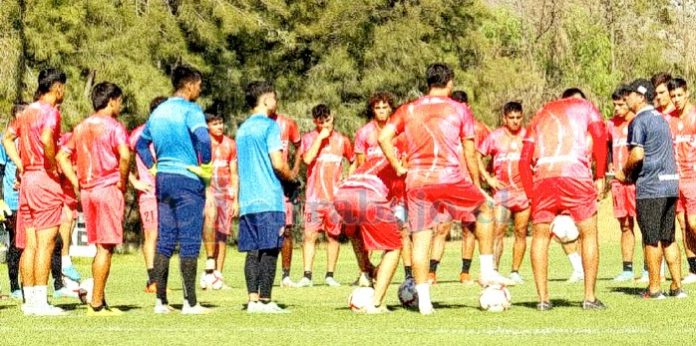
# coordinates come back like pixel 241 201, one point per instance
pixel 101 149
pixel 504 146
pixel 652 165
pixel 435 126
pixel 682 123
pixel 623 193
pixel 556 173
pixel 221 204
pixel 40 195
pixel 322 151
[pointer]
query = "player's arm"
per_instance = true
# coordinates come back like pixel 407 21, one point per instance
pixel 49 150
pixel 359 159
pixel 472 161
pixel 202 145
pixel 142 148
pixel 386 136
pixel 139 185
pixel 63 159
pixel 599 151
pixel 280 166
pixel 525 168
pixel 11 149
pixel 635 159
pixel 123 166
pixel 313 150
pixel 297 159
pixel 234 181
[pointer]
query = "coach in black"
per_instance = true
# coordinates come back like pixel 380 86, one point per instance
pixel 651 161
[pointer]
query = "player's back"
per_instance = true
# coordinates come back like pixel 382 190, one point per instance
pixel 28 127
pixel 96 140
pixel 562 141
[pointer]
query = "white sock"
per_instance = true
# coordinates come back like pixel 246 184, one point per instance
pixel 28 292
pixel 576 262
pixel 486 264
pixel 40 295
pixel 424 295
pixel 65 261
pixel 210 264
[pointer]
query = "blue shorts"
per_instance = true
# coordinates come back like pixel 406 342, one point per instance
pixel 261 231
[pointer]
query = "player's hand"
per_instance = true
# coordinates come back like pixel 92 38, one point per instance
pixel 142 186
pixel 235 208
pixel 599 185
pixel 401 171
pixel 4 210
pixel 325 132
pixel 153 170
pixel 495 184
pixel 203 171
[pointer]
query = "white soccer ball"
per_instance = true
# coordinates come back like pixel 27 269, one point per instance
pixel 211 281
pixel 217 282
pixel 408 296
pixel 85 290
pixel 495 298
pixel 361 298
pixel 564 229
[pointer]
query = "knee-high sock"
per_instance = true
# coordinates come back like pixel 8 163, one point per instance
pixel 189 266
pixel 268 264
pixel 56 265
pixel 13 256
pixel 251 271
pixel 161 270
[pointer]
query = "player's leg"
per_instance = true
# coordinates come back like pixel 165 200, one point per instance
pixel 442 230
pixel 13 255
pixel 67 224
pixel 590 255
pixel 288 243
pixel 189 203
pixel 521 223
pixel 573 253
pixel 148 216
pixel 689 235
pixel 467 252
pixel 101 267
pixel 332 248
pixel 407 252
pixel 422 241
pixel 502 220
pixel 57 269
pixel 628 243
pixel 45 243
pixel 385 274
pixel 209 219
pixel 26 268
pixel 166 242
pixel 361 255
pixel 541 236
pixel 485 228
pixel 308 250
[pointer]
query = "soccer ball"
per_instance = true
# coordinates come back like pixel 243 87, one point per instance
pixel 85 290
pixel 361 298
pixel 563 227
pixel 495 298
pixel 211 281
pixel 408 296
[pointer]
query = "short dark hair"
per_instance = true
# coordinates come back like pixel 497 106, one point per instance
pixel 660 78
pixel 572 92
pixel 677 83
pixel 156 102
pixel 254 91
pixel 18 108
pixel 321 111
pixel 210 117
pixel 620 92
pixel 438 75
pixel 47 78
pixel 183 75
pixel 512 106
pixel 380 96
pixel 460 96
pixel 103 92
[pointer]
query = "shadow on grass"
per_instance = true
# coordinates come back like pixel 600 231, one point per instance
pixel 631 291
pixel 71 306
pixel 128 307
pixel 9 306
pixel 557 303
pixel 205 305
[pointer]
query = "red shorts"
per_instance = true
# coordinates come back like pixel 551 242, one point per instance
pixel 321 216
pixel 512 199
pixel 289 213
pixel 555 196
pixel 687 196
pixel 224 209
pixel 458 200
pixel 624 198
pixel 373 214
pixel 147 205
pixel 103 211
pixel 40 200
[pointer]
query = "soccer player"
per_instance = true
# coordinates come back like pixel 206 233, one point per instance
pixel 623 193
pixel 322 151
pixel 435 126
pixel 178 130
pixel 662 101
pixel 261 203
pixel 100 145
pixel 221 204
pixel 289 134
pixel 556 174
pixel 144 184
pixel 651 159
pixel 443 229
pixel 40 200
pixel 504 145
pixel 682 123
pixel 364 200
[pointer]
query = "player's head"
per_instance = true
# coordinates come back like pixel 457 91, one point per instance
pixel 260 96
pixel 322 117
pixel 216 124
pixel 460 96
pixel 18 108
pixel 187 82
pixel 618 98
pixel 440 76
pixel 380 106
pixel 107 96
pixel 513 116
pixel 659 82
pixel 51 81
pixel 678 92
pixel 156 102
pixel 574 93
pixel 641 94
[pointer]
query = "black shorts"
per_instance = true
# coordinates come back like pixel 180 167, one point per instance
pixel 656 219
pixel 261 231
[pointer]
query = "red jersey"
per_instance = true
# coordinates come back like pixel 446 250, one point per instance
pixel 617 133
pixel 143 174
pixel 367 141
pixel 434 128
pixel 505 149
pixel 481 131
pixel 224 153
pixel 378 175
pixel 64 182
pixel 289 133
pixel 324 173
pixel 684 138
pixel 28 126
pixel 95 141
pixel 563 145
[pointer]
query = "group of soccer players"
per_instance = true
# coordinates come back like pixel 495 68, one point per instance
pixel 414 169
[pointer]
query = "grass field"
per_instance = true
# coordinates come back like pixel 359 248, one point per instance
pixel 320 314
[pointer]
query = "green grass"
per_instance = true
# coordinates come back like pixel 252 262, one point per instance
pixel 320 314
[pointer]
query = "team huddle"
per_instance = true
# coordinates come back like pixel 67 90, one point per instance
pixel 412 171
